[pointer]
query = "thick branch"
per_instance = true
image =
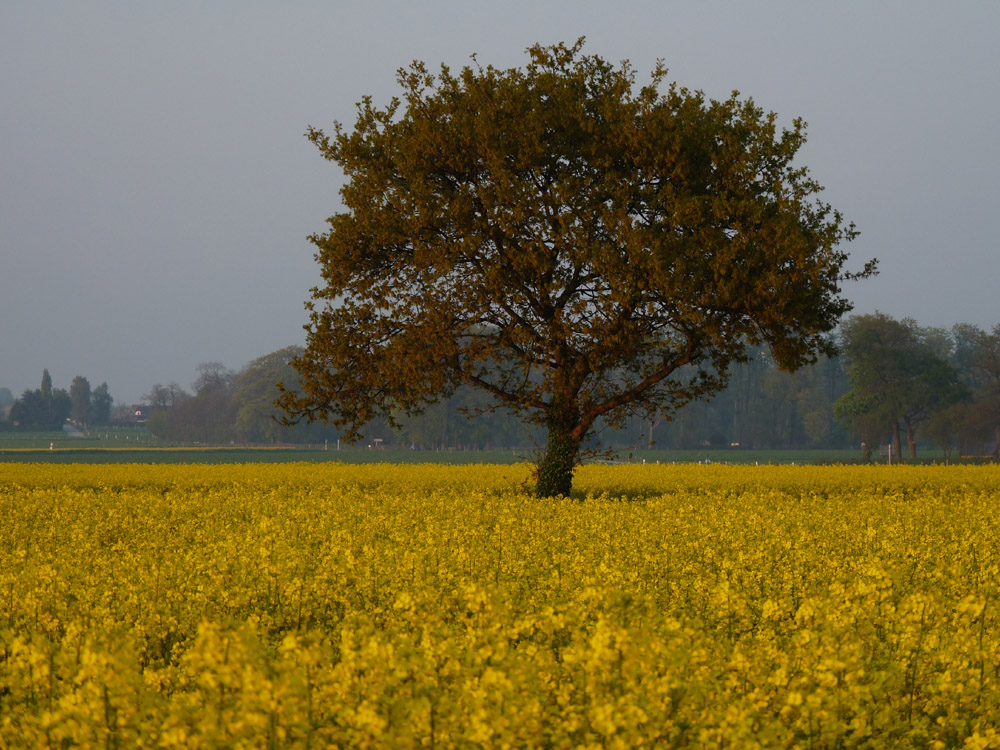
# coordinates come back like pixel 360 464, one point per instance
pixel 520 401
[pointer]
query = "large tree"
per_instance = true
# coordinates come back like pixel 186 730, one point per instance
pixel 575 246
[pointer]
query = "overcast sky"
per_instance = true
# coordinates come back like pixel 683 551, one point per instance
pixel 156 189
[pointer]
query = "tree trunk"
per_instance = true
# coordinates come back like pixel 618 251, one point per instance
pixel 897 446
pixel 653 422
pixel 555 470
pixel 911 439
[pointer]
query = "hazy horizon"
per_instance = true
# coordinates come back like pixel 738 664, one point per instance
pixel 158 190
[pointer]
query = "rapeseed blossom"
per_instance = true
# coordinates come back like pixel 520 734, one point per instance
pixel 301 606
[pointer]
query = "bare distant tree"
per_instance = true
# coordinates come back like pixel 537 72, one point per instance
pixel 213 375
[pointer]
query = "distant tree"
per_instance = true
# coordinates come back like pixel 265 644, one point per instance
pixel 161 426
pixel 959 425
pixel 765 407
pixel 207 416
pixel 897 374
pixel 157 397
pixel 983 363
pixel 79 394
pixel 33 411
pixel 164 396
pixel 6 398
pixel 820 387
pixel 986 359
pixel 428 430
pixel 30 411
pixel 228 406
pixel 258 418
pixel 60 407
pixel 464 419
pixel 100 405
pixel 574 247
pixel 652 418
pixel 781 394
pixel 745 392
pixel 966 340
pixel 986 414
pixel 46 389
pixel 213 375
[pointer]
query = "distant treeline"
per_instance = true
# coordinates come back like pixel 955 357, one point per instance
pixel 48 408
pixel 894 382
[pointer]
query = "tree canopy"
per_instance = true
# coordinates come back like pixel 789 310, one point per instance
pixel 577 247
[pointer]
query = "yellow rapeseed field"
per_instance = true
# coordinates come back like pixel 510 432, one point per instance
pixel 316 606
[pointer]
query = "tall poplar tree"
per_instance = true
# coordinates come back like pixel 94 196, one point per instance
pixel 46 389
pixel 79 394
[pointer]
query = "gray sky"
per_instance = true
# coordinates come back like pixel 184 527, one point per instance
pixel 156 189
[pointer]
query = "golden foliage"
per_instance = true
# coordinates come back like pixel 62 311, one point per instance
pixel 432 606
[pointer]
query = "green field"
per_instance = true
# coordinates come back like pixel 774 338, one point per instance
pixel 105 438
pixel 134 445
pixel 240 455
pixel 139 447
